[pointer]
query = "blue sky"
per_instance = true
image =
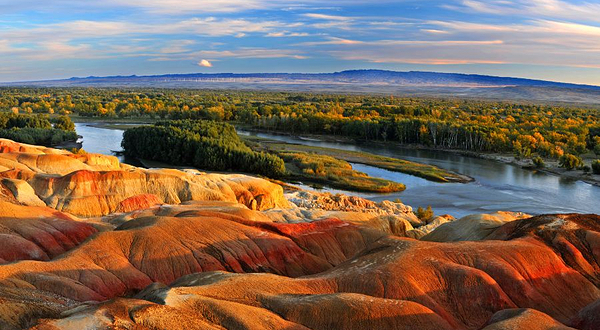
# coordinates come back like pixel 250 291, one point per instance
pixel 547 39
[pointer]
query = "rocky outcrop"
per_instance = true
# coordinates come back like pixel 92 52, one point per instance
pixel 396 283
pixel 361 277
pixel 190 250
pixel 472 227
pixel 306 200
pixel 138 202
pixel 127 259
pixel 94 185
pixel 524 319
pixel 588 318
pixel 423 230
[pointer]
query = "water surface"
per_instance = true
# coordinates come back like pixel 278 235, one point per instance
pixel 99 140
pixel 497 186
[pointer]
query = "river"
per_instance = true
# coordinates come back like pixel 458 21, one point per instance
pixel 497 186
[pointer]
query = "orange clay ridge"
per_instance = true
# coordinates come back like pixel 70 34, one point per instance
pixel 89 243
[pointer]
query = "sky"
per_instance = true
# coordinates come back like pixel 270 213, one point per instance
pixel 543 39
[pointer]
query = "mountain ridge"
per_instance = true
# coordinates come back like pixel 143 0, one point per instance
pixel 367 81
pixel 365 75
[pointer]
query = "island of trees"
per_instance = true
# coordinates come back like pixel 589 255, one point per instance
pixel 204 144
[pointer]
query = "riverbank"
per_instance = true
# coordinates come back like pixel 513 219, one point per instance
pixel 330 167
pixel 424 171
pixel 498 186
pixel 551 168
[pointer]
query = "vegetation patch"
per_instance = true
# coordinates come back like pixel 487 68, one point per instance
pixel 36 129
pixel 525 130
pixel 216 146
pixel 336 173
pixel 204 144
pixel 424 171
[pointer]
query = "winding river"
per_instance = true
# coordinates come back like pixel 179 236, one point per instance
pixel 497 186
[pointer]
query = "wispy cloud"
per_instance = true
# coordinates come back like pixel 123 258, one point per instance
pixel 162 35
pixel 287 34
pixel 328 17
pixel 556 9
pixel 251 53
pixel 538 42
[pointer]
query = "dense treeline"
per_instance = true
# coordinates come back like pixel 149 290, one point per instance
pixel 204 144
pixel 527 130
pixel 37 129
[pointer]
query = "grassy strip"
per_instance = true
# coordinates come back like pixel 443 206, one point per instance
pixel 326 170
pixel 311 167
pixel 428 172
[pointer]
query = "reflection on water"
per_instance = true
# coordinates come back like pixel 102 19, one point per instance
pixel 100 140
pixel 497 186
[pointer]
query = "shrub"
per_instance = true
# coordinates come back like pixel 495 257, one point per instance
pixel 78 151
pixel 596 166
pixel 569 162
pixel 538 162
pixel 586 169
pixel 41 136
pixel 425 214
pixel 34 129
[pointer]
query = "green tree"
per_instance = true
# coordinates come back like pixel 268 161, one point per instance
pixel 570 162
pixel 425 214
pixel 64 123
pixel 538 162
pixel 596 166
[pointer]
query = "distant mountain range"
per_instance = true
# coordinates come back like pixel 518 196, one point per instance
pixel 354 81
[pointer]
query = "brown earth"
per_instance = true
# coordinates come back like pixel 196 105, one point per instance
pixel 187 250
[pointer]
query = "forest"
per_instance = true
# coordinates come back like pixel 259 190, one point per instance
pixel 211 145
pixel 37 128
pixel 204 144
pixel 525 130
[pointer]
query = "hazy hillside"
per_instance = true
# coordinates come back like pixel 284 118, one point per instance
pixel 354 81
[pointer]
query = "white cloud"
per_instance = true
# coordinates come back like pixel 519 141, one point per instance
pixel 167 7
pixel 205 63
pixel 287 34
pixel 557 9
pixel 536 42
pixel 328 17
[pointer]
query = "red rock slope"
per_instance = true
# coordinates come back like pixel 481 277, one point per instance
pixel 395 282
pixel 221 263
